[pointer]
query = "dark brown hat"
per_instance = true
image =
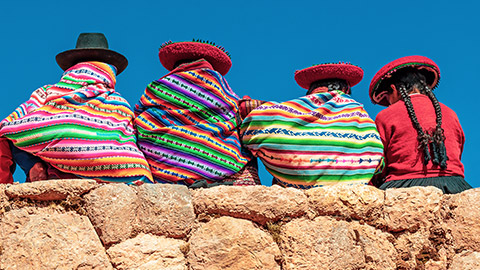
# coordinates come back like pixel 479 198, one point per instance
pixel 91 47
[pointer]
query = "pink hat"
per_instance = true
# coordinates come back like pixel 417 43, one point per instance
pixel 172 52
pixel 344 71
pixel 377 91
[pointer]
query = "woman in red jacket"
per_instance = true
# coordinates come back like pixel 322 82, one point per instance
pixel 423 139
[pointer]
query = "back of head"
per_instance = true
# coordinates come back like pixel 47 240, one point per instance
pixel 408 78
pixel 330 85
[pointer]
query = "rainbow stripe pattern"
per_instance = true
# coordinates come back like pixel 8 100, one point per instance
pixel 319 139
pixel 81 126
pixel 187 127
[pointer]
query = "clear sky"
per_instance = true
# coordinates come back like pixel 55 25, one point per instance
pixel 268 41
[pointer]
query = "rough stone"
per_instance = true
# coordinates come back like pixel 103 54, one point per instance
pixel 3 197
pixel 45 239
pixel 415 249
pixel 467 260
pixel 111 209
pixel 51 190
pixel 412 208
pixel 119 212
pixel 257 203
pixel 149 252
pixel 464 219
pixel 360 202
pixel 230 243
pixel 325 243
pixel 165 210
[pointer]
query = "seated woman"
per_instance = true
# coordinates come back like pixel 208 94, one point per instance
pixel 79 127
pixel 187 121
pixel 423 138
pixel 323 138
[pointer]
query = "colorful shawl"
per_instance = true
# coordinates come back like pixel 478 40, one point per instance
pixel 80 126
pixel 187 126
pixel 319 139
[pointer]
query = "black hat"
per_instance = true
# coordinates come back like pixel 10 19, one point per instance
pixel 91 47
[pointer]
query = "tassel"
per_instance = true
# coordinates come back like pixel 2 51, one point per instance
pixel 426 153
pixel 444 157
pixel 435 152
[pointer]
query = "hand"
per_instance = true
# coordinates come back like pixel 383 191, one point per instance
pixel 38 172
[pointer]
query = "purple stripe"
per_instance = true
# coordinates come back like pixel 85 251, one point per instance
pixel 145 145
pixel 196 87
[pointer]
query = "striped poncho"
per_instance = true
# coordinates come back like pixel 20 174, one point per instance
pixel 187 126
pixel 81 126
pixel 319 139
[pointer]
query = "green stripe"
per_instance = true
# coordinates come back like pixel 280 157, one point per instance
pixel 319 178
pixel 57 132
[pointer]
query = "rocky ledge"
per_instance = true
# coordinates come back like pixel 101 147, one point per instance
pixel 79 224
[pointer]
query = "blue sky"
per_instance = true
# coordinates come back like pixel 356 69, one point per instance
pixel 268 41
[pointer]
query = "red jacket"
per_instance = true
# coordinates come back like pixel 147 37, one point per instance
pixel 403 159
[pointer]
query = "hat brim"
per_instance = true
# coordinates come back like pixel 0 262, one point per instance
pixel 350 73
pixel 69 58
pixel 422 63
pixel 172 53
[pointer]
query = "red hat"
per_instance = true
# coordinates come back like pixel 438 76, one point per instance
pixel 431 71
pixel 172 52
pixel 344 71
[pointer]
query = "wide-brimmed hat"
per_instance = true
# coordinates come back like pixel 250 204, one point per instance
pixel 378 90
pixel 91 47
pixel 343 71
pixel 173 52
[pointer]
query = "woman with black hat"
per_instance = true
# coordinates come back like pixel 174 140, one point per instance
pixel 79 127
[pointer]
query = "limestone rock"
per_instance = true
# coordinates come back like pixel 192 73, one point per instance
pixel 165 210
pixel 3 197
pixel 45 239
pixel 360 202
pixel 412 208
pixel 419 248
pixel 149 252
pixel 325 243
pixel 230 243
pixel 119 212
pixel 111 209
pixel 50 190
pixel 467 260
pixel 257 203
pixel 464 219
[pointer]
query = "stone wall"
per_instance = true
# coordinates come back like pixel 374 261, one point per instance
pixel 78 224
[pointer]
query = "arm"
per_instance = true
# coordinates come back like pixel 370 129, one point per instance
pixel 246 105
pixel 34 168
pixel 7 166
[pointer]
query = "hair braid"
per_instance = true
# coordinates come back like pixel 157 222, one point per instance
pixel 440 151
pixel 423 137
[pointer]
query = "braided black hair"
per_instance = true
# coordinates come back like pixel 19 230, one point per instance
pixel 406 80
pixel 331 84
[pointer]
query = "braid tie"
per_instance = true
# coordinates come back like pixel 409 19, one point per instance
pixel 424 143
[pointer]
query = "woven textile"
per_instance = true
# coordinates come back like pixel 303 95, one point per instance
pixel 80 126
pixel 187 126
pixel 315 140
